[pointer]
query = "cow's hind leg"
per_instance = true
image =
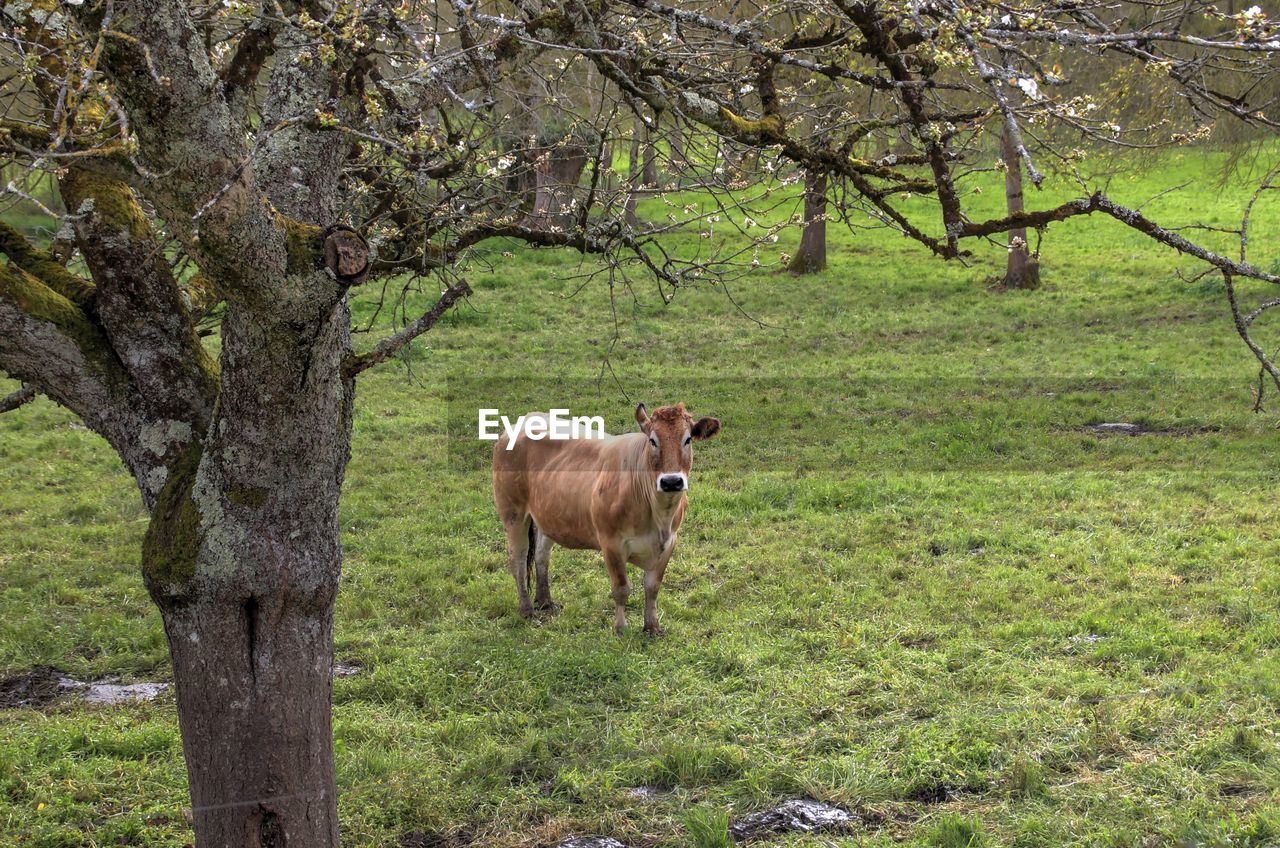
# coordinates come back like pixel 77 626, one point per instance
pixel 542 563
pixel 616 564
pixel 518 533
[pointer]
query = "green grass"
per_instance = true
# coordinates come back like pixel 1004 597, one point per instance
pixel 908 584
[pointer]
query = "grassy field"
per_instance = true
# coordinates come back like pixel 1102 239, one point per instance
pixel 910 582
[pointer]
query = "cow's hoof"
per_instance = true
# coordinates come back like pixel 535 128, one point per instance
pixel 548 606
pixel 655 630
pixel 526 612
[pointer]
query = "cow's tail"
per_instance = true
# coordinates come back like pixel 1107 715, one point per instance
pixel 529 557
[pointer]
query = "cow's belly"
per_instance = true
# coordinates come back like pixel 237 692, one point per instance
pixel 647 548
pixel 569 538
pixel 567 528
pixel 566 531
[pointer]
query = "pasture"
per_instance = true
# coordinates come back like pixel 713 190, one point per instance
pixel 911 582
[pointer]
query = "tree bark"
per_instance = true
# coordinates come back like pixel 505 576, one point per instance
pixel 253 689
pixel 811 256
pixel 1023 269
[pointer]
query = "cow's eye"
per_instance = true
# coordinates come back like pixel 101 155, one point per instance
pixel 653 441
pixel 688 438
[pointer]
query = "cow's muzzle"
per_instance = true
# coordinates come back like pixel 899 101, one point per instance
pixel 672 483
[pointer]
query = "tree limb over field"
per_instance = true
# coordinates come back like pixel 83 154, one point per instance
pixel 939 70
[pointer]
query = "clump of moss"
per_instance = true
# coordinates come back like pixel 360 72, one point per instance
pixel 251 496
pixel 113 202
pixel 172 542
pixel 768 128
pixel 304 244
pixel 33 297
pixel 44 267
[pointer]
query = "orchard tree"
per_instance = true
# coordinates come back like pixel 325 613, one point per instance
pixel 241 168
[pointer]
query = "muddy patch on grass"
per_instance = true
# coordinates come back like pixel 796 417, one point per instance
pixel 1114 428
pixel 1124 428
pixel 116 693
pixel 798 816
pixel 36 688
pixel 590 842
pixel 435 839
pixel 933 793
pixel 42 686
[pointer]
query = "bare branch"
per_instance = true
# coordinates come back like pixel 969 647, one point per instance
pixel 13 400
pixel 388 347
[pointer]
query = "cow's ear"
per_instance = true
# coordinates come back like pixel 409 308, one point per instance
pixel 706 428
pixel 642 417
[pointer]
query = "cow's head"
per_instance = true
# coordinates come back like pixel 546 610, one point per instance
pixel 671 432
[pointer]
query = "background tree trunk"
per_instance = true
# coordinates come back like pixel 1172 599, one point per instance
pixel 1023 269
pixel 679 160
pixel 650 159
pixel 633 174
pixel 811 256
pixel 557 172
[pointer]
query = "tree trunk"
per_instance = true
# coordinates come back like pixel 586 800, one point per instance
pixel 633 175
pixel 1023 269
pixel 557 173
pixel 253 689
pixel 811 256
pixel 650 159
pixel 243 558
pixel 679 160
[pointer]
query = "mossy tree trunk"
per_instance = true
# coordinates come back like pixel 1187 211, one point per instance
pixel 243 556
pixel 811 255
pixel 243 559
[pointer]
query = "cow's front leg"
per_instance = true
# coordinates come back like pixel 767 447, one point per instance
pixel 615 562
pixel 652 585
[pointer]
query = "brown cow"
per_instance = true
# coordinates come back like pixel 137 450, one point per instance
pixel 622 495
